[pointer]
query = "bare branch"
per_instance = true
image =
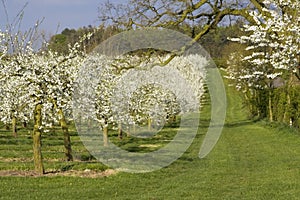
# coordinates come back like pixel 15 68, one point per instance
pixel 205 14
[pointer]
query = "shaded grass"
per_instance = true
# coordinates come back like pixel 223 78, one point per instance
pixel 17 153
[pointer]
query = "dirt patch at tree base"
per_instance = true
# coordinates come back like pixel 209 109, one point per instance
pixel 70 173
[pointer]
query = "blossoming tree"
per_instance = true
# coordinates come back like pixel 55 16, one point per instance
pixel 273 52
pixel 37 86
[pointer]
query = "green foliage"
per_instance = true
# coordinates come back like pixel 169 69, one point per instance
pixel 216 43
pixel 286 102
pixel 295 105
pixel 59 42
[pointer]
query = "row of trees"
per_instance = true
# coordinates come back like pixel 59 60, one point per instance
pixel 38 86
pixel 268 69
pixel 127 95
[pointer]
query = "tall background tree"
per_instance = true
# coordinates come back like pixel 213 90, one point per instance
pixel 195 17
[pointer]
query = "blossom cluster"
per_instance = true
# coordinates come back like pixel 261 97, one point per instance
pixel 273 44
pixel 29 78
pixel 108 95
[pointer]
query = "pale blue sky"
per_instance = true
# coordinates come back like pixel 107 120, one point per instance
pixel 66 13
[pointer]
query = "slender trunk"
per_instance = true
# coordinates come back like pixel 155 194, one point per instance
pixel 247 99
pixel 134 129
pixel 128 132
pixel 149 124
pixel 80 124
pixel 37 142
pixel 24 124
pixel 7 126
pixel 65 130
pixel 67 139
pixel 88 122
pixel 120 131
pixel 258 104
pixel 105 136
pixel 14 126
pixel 287 115
pixel 270 106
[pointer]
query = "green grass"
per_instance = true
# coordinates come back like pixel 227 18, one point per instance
pixel 252 160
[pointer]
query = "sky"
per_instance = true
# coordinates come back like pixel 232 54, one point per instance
pixel 62 13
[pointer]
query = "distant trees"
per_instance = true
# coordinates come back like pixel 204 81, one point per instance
pixel 62 42
pixel 216 42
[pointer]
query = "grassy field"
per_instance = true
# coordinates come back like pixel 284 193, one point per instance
pixel 252 160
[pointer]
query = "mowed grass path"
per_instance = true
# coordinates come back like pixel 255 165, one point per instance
pixel 250 161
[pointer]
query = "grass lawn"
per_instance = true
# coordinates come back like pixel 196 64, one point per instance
pixel 252 160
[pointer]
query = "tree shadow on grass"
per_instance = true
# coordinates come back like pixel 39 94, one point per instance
pixel 67 167
pixel 240 123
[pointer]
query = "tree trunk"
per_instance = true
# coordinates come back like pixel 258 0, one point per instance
pixel 64 127
pixel 105 136
pixel 149 124
pixel 79 120
pixel 287 115
pixel 37 142
pixel 120 131
pixel 270 106
pixel 14 126
pixel 258 109
pixel 7 126
pixel 133 130
pixel 128 132
pixel 24 124
pixel 67 139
